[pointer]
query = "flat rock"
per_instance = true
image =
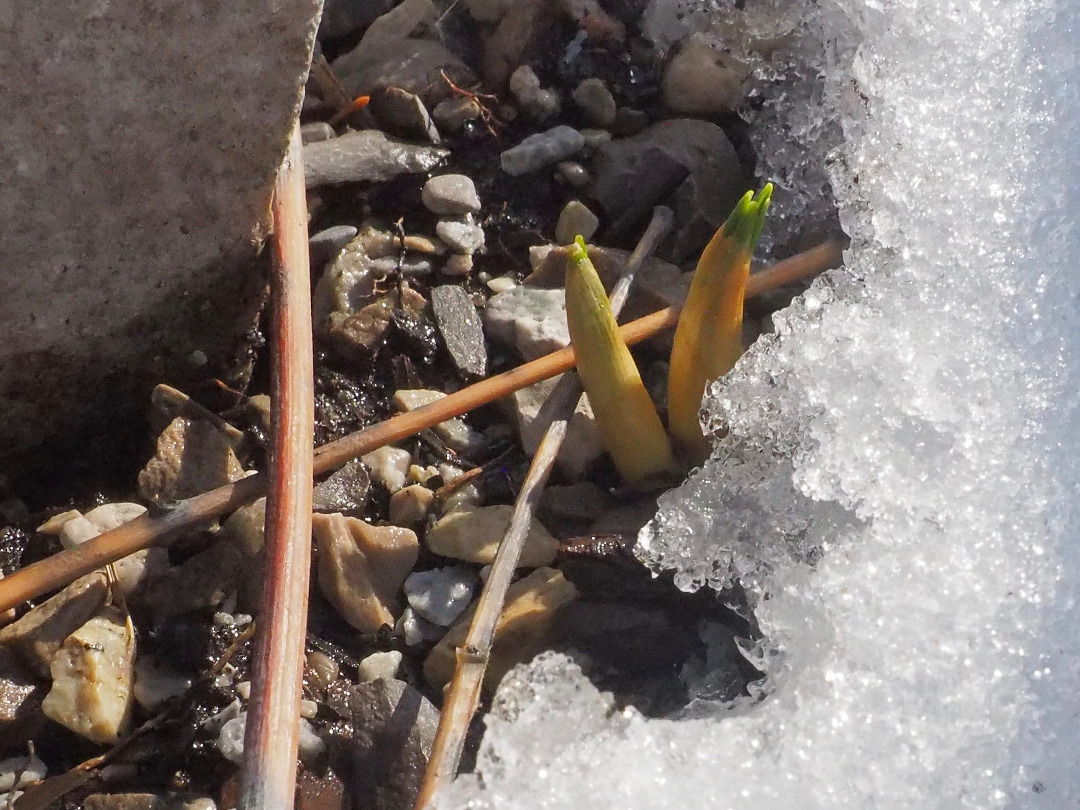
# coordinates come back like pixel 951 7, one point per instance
pixel 523 630
pixel 92 678
pixel 361 568
pixel 450 194
pixel 391 732
pixel 391 54
pixel 38 634
pixel 541 149
pixel 118 284
pixel 193 457
pixel 474 536
pixel 367 155
pixel 461 328
pixel 687 164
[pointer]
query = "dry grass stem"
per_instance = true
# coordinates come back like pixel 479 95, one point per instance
pixel 268 772
pixel 58 570
pixel 463 695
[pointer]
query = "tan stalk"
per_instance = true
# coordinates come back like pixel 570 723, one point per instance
pixel 463 693
pixel 58 570
pixel 268 771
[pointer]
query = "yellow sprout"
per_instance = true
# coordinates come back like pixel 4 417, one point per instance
pixel 630 428
pixel 708 339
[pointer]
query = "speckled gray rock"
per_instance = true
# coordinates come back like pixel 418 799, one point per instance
pixel 541 149
pixel 344 491
pixel 110 289
pixel 450 194
pixel 461 235
pixel 595 102
pixel 403 113
pixel 366 155
pixel 461 329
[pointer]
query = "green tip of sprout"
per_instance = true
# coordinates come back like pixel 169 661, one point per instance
pixel 578 253
pixel 746 221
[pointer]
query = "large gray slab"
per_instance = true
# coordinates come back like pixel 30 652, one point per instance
pixel 137 152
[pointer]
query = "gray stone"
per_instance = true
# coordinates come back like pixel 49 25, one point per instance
pixel 575 220
pixel 457 435
pixel 575 503
pixel 441 594
pixel 326 244
pixel 111 287
pixel 595 138
pixel 541 149
pixel 595 102
pixel 316 131
pixel 534 100
pixel 404 113
pixel 629 121
pixel 391 55
pixel 573 174
pixel 366 155
pixel 450 194
pixel 393 730
pixel 688 164
pixel 530 319
pixel 452 113
pixel 210 579
pixel 461 235
pixel 344 491
pixel 582 447
pixel 461 329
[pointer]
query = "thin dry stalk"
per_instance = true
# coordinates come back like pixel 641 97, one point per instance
pixel 145 531
pixel 268 773
pixel 463 696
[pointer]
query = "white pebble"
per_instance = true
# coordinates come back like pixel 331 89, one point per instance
pixel 308 708
pixel 501 284
pixel 379 665
pixel 310 744
pixel 441 594
pixel 243 689
pixel 230 741
pixel 389 466
pixel 32 769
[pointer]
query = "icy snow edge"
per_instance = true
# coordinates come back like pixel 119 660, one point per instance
pixel 896 485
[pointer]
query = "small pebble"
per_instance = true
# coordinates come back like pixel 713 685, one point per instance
pixel 573 174
pixel 441 594
pixel 230 741
pixel 450 473
pixel 308 709
pixel 701 79
pixel 367 155
pixel 596 102
pixel 389 466
pixel 421 475
pixel 450 194
pixel 537 102
pixel 459 264
pixel 316 131
pixel 575 220
pixel 457 435
pixel 462 499
pixel 595 138
pixel 322 670
pixel 379 665
pixel 415 629
pixel 629 121
pixel 452 113
pixel 243 690
pixel 461 235
pixel 409 506
pixel 501 284
pixel 310 745
pixel 474 536
pixel 346 490
pixel 541 149
pixel 404 113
